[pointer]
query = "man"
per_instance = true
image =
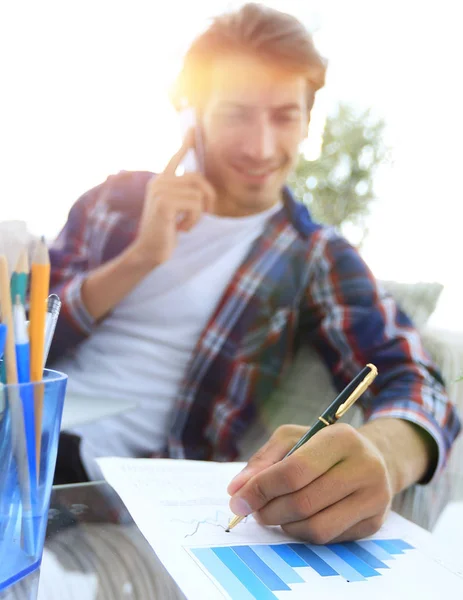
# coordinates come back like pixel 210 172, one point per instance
pixel 188 293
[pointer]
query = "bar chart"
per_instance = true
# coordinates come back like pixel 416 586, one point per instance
pixel 257 572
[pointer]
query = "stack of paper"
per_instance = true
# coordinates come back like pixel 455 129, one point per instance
pixel 181 507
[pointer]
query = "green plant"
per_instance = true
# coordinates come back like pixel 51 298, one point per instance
pixel 338 186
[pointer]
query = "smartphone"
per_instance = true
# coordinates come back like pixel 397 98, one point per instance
pixel 129 191
pixel 194 159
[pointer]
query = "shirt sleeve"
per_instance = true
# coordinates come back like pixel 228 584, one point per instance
pixel 352 321
pixel 70 263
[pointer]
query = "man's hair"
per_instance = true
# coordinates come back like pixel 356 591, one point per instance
pixel 276 38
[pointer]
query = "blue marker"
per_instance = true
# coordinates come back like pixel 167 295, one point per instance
pixel 21 341
pixel 2 338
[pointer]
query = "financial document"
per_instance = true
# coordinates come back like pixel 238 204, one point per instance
pixel 181 507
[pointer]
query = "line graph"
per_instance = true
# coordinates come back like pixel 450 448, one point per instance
pixel 220 519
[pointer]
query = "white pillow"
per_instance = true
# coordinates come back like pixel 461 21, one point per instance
pixel 417 300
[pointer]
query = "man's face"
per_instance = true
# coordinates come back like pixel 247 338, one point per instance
pixel 253 122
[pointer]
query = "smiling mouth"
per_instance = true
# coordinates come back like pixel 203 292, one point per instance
pixel 255 174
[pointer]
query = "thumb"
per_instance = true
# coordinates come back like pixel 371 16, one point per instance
pixel 270 453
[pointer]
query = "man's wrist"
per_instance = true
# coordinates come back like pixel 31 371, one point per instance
pixel 135 257
pixel 407 450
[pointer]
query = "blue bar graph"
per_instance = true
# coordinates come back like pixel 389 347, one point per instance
pixel 231 584
pixel 366 556
pixel 402 544
pixel 250 558
pixel 288 555
pixel 313 560
pixel 259 571
pixel 338 565
pixel 376 550
pixel 277 564
pixel 254 585
pixel 357 563
pixel 389 546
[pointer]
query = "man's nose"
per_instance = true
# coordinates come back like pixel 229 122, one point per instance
pixel 260 140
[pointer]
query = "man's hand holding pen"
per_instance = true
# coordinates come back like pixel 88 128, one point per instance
pixel 338 486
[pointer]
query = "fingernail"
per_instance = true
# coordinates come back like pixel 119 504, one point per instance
pixel 240 507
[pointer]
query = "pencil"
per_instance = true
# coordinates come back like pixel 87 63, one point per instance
pixel 18 440
pixel 19 278
pixel 40 282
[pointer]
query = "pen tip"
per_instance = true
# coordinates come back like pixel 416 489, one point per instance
pixel 227 530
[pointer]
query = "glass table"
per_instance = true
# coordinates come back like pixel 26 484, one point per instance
pixel 94 550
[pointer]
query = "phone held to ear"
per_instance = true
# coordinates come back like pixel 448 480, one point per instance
pixel 194 159
pixel 126 192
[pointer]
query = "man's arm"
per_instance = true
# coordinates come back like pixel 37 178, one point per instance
pixel 353 322
pixel 341 483
pixel 87 288
pixel 69 258
pixel 90 290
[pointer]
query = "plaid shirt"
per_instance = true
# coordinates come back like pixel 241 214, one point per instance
pixel 300 283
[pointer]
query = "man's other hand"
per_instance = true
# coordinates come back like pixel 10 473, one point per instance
pixel 172 203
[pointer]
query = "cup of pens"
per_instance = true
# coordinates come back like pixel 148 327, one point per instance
pixel 26 478
pixel 31 406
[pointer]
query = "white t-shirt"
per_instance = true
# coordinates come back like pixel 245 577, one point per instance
pixel 141 350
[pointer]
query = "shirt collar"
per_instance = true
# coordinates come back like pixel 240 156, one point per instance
pixel 298 214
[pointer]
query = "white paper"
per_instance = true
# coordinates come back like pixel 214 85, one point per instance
pixel 449 530
pixel 183 505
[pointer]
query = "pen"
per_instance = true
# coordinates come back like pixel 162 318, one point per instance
pixel 337 409
pixel 53 309
pixel 26 392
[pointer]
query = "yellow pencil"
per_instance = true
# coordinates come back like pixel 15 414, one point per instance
pixel 40 283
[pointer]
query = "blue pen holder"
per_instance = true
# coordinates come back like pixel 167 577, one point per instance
pixel 25 483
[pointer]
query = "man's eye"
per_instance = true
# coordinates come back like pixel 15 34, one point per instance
pixel 285 118
pixel 234 117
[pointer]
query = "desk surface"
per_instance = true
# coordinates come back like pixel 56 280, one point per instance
pixel 94 550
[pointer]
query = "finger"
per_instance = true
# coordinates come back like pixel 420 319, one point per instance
pixel 335 521
pixel 188 219
pixel 361 530
pixel 193 184
pixel 177 158
pixel 271 452
pixel 327 448
pixel 206 189
pixel 325 491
